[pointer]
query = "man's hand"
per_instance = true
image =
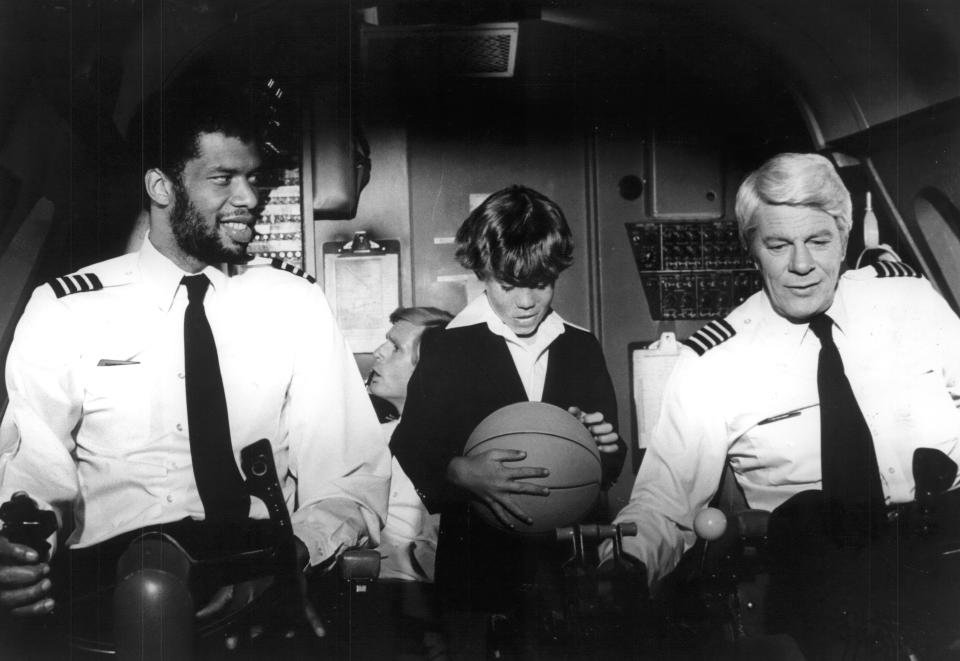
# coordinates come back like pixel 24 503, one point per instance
pixel 25 590
pixel 232 598
pixel 604 435
pixel 486 477
pixel 310 615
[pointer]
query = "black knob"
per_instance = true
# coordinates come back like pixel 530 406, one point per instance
pixel 25 523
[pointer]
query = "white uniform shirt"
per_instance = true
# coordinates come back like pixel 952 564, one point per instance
pixel 753 397
pixel 408 541
pixel 97 418
pixel 530 358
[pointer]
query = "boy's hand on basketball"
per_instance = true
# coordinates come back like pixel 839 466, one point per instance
pixel 605 436
pixel 487 477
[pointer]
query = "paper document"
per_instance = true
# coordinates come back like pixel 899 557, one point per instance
pixel 363 291
pixel 651 369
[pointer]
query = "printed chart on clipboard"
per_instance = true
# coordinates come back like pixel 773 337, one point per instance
pixel 362 283
pixel 651 367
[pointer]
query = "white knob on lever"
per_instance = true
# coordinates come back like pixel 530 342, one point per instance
pixel 710 524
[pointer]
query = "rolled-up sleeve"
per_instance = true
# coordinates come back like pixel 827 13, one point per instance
pixel 337 452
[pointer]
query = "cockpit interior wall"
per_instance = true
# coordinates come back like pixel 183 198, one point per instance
pixel 914 161
pixel 624 111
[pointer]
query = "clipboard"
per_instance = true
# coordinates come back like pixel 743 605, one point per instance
pixel 361 278
pixel 651 366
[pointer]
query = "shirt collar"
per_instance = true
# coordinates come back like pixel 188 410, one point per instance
pixel 776 326
pixel 838 309
pixel 162 276
pixel 479 311
pixel 782 327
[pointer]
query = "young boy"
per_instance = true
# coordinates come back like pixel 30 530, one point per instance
pixel 508 345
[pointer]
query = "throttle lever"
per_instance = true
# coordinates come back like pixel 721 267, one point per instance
pixel 256 461
pixel 25 523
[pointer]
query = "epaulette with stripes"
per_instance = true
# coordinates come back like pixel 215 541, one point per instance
pixel 290 268
pixel 895 270
pixel 75 284
pixel 713 334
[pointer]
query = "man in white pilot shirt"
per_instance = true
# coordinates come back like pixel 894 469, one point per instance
pixel 97 419
pixel 745 388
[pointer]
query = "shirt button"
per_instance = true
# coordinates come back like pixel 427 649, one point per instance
pixel 169 498
pixel 180 428
pixel 179 375
pixel 892 469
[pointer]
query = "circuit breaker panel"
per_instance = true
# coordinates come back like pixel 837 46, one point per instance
pixel 280 227
pixel 692 270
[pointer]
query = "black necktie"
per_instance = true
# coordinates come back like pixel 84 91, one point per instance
pixel 222 489
pixel 851 478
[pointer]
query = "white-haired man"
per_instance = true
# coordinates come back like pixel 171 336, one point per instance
pixel 817 391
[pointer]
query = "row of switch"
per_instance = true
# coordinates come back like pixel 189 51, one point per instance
pixel 697 295
pixel 670 246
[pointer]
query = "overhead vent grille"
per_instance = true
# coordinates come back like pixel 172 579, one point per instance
pixel 477 51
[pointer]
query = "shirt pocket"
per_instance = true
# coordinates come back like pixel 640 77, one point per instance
pixel 783 449
pixel 116 408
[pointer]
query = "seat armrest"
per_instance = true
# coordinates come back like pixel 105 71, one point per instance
pixel 751 523
pixel 360 564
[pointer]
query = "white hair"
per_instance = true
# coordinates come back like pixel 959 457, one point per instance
pixel 799 180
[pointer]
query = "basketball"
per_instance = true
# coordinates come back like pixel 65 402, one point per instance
pixel 555 440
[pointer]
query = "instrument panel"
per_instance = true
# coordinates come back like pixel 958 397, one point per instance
pixel 692 270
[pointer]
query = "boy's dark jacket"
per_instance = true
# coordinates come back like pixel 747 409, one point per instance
pixel 464 374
